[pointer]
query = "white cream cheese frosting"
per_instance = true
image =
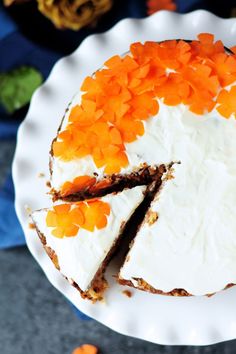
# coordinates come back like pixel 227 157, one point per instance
pixel 192 244
pixel 167 137
pixel 81 256
pixel 194 238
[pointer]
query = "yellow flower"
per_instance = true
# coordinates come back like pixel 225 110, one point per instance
pixel 73 14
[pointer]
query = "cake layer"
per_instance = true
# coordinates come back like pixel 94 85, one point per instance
pixel 124 119
pixel 80 237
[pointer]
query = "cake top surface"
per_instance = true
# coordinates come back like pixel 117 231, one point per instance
pixel 170 102
pixel 114 107
pixel 81 234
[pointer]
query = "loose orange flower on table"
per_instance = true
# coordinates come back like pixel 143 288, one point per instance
pixel 86 349
pixel 157 5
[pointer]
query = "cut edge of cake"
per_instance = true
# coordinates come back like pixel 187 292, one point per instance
pixel 98 285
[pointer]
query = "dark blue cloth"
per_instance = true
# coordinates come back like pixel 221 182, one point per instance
pixel 10 230
pixel 8 130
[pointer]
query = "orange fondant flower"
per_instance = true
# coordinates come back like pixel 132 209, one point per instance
pixel 204 87
pixel 224 66
pixel 95 213
pixel 86 114
pixel 174 90
pixel 79 183
pixel 66 219
pixel 173 54
pixel 227 102
pixel 205 47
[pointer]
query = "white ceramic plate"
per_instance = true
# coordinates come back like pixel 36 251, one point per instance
pixel 156 318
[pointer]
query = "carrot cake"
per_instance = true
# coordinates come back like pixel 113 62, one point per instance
pixel 163 111
pixel 81 237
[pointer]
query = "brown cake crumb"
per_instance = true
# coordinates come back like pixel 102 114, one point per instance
pixel 48 184
pixel 127 293
pixel 151 217
pixel 28 210
pixel 170 174
pixel 41 175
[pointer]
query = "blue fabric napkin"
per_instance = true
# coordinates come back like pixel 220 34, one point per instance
pixel 9 221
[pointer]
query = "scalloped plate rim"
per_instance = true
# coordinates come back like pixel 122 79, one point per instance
pixel 100 312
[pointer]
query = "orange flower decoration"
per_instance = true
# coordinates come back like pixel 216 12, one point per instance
pixel 81 182
pixel 205 47
pixel 86 349
pixel 174 90
pixel 204 87
pixel 227 101
pixel 224 66
pixel 126 92
pixel 157 5
pixel 67 219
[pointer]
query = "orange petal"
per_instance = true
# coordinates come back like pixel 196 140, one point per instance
pixel 77 216
pixel 51 219
pixel 62 208
pixel 58 232
pixel 115 136
pixel 100 185
pixel 79 183
pixel 71 231
pixel 75 112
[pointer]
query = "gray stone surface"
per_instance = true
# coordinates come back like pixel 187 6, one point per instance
pixel 36 319
pixel 6 155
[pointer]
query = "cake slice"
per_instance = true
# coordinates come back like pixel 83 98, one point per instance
pixel 81 237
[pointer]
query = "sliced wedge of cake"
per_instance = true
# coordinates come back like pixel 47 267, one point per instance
pixel 81 237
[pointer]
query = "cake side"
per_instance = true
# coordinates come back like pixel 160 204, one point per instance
pixel 140 284
pixel 80 238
